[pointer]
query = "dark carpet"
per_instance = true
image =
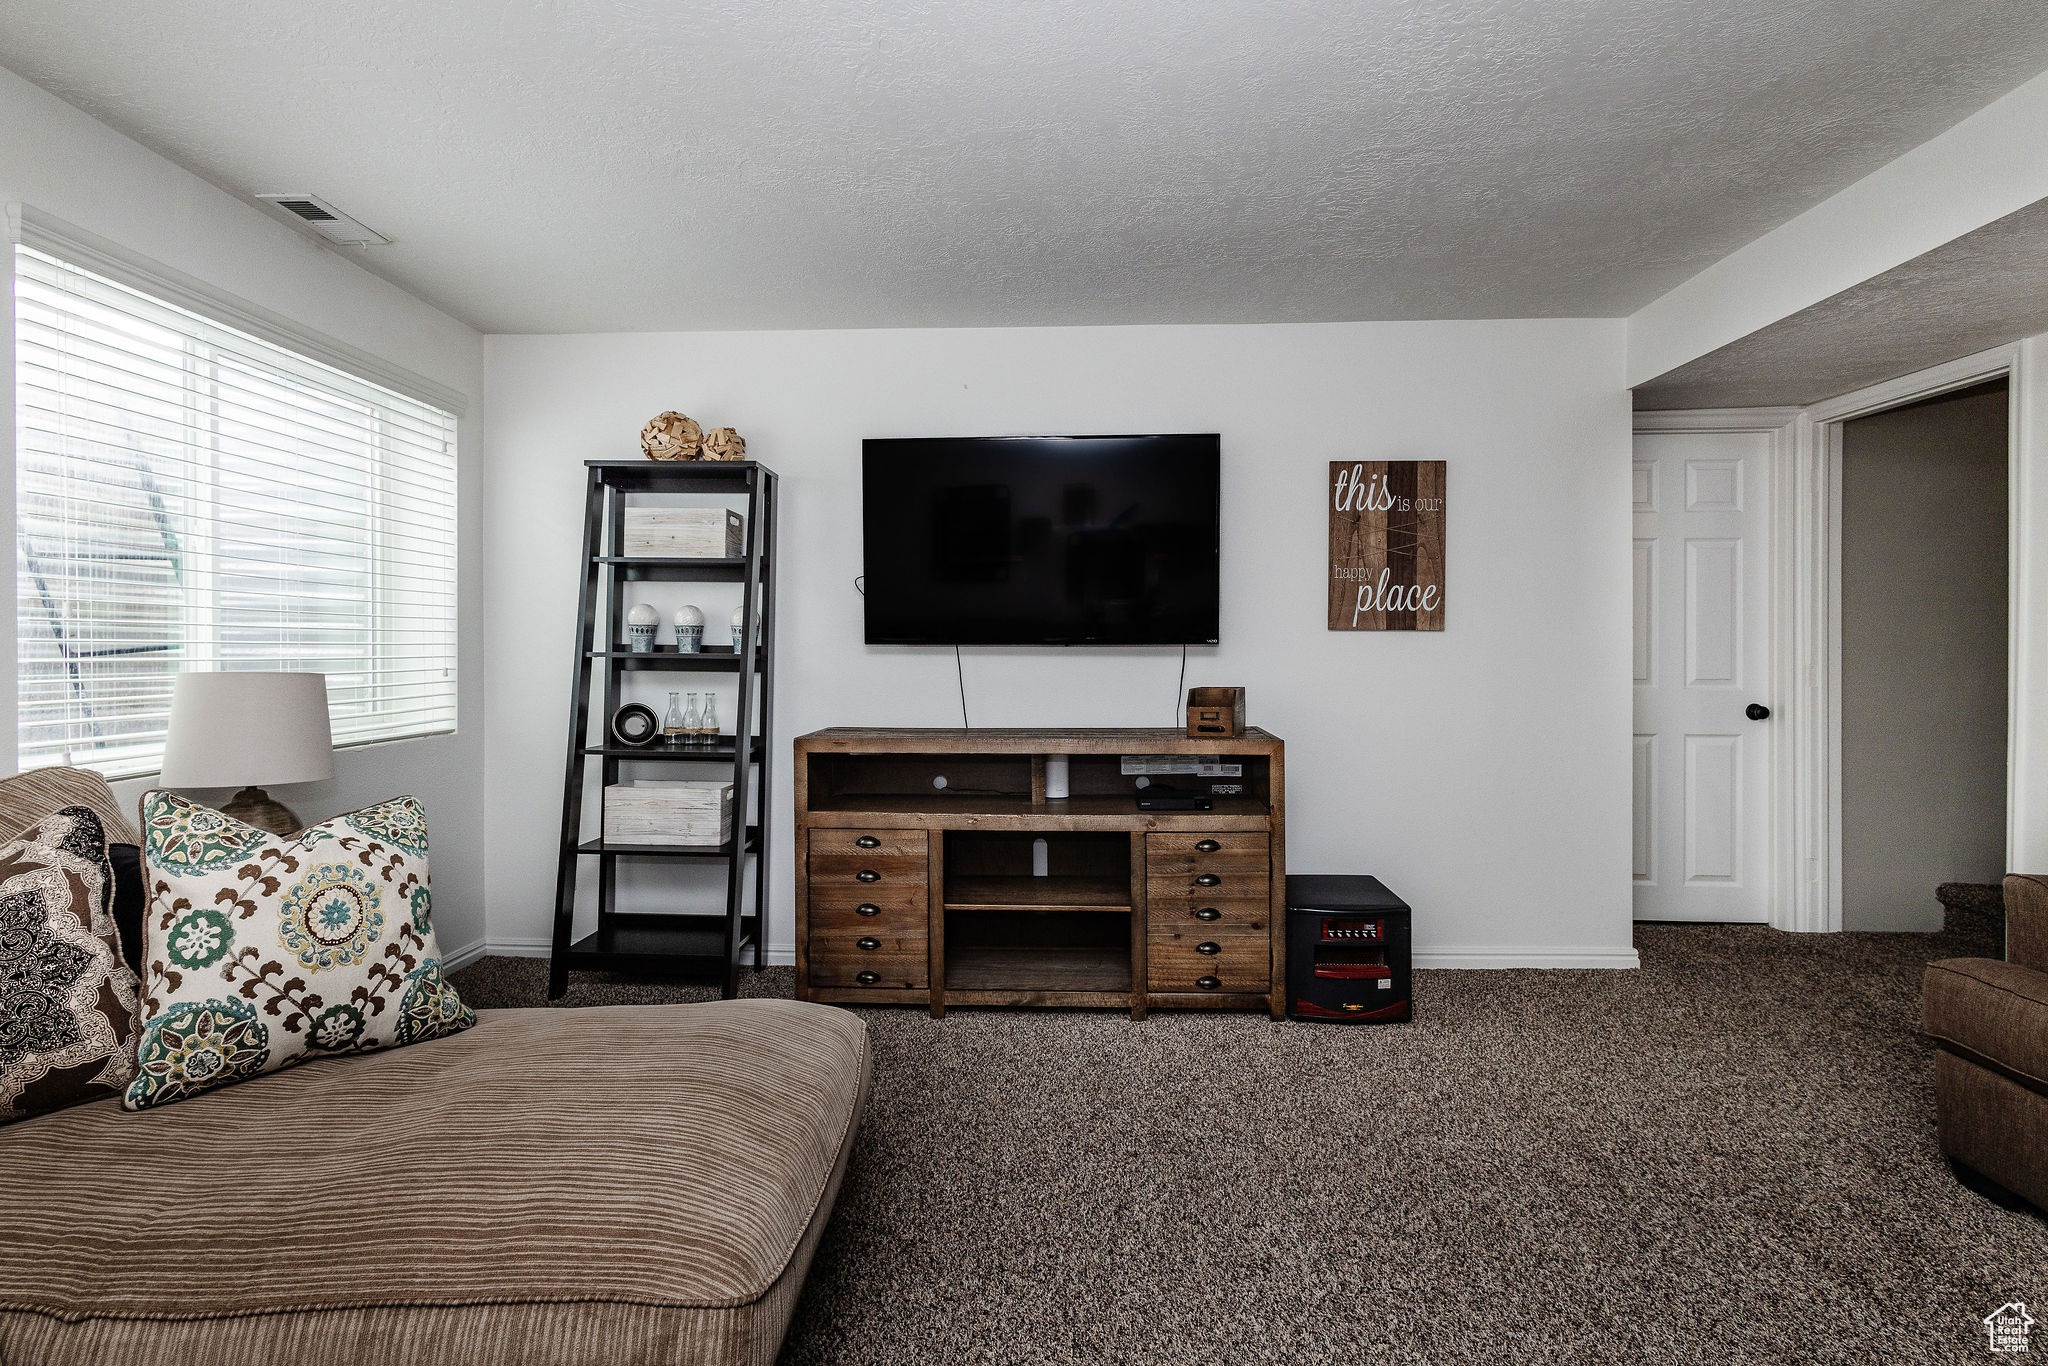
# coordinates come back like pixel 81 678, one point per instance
pixel 1728 1156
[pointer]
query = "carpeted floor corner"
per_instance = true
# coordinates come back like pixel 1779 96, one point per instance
pixel 1725 1157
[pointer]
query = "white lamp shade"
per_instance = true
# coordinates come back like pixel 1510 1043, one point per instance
pixel 248 729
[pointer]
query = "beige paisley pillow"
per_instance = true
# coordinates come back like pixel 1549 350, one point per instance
pixel 264 950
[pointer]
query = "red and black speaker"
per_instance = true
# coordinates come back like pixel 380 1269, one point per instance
pixel 1349 952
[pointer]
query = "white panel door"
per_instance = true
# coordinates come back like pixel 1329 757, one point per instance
pixel 1702 633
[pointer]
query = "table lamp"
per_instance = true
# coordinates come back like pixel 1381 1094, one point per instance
pixel 245 730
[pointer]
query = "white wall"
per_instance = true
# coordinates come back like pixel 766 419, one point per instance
pixel 1482 773
pixel 1924 662
pixel 2028 848
pixel 58 160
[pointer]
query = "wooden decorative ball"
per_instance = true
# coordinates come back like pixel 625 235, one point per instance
pixel 723 443
pixel 671 436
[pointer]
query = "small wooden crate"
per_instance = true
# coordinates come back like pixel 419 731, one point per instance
pixel 1215 713
pixel 668 813
pixel 683 533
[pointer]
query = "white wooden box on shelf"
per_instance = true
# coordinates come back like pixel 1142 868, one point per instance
pixel 668 813
pixel 683 533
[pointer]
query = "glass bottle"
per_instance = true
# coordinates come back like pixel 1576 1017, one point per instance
pixel 672 721
pixel 692 719
pixel 707 726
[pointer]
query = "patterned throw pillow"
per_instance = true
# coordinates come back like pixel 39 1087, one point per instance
pixel 67 1002
pixel 264 950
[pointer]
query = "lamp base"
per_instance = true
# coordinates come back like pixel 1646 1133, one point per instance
pixel 254 806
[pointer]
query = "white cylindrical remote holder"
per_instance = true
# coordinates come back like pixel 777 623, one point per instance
pixel 1039 865
pixel 1055 776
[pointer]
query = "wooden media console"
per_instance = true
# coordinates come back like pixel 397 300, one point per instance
pixel 915 880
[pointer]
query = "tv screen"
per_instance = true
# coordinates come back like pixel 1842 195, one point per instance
pixel 1041 540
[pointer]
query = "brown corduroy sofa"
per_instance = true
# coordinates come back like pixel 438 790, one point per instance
pixel 636 1184
pixel 1990 1022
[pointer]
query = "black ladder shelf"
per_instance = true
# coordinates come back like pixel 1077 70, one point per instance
pixel 664 943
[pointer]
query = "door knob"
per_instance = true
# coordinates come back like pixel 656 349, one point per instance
pixel 1757 711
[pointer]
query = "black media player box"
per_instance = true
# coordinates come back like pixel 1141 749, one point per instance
pixel 1349 951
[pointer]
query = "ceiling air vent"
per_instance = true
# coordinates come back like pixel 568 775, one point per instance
pixel 323 218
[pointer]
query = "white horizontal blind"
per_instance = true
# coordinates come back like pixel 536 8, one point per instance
pixel 190 497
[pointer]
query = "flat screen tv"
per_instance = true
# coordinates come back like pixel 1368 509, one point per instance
pixel 1041 540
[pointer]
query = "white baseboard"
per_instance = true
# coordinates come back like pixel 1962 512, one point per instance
pixel 779 955
pixel 1526 958
pixel 1680 918
pixel 519 948
pixel 463 956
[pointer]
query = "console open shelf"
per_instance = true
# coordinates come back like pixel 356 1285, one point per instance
pixel 1061 813
pixel 1039 968
pixel 1011 892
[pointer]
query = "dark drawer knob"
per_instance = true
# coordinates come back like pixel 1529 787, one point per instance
pixel 868 942
pixel 868 979
pixel 1208 880
pixel 1209 946
pixel 1208 913
pixel 868 842
pixel 1207 846
pixel 867 908
pixel 1208 983
pixel 867 875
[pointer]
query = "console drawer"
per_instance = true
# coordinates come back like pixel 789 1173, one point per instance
pixel 875 872
pixel 845 893
pixel 1185 853
pixel 878 843
pixel 897 965
pixel 1213 918
pixel 1237 964
pixel 857 920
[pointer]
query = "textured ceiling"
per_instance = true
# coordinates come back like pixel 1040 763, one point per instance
pixel 548 166
pixel 1984 289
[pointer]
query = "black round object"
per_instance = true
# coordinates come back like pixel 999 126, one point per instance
pixel 1757 711
pixel 1208 880
pixel 867 908
pixel 1208 913
pixel 1208 983
pixel 635 725
pixel 869 942
pixel 868 842
pixel 867 875
pixel 867 979
pixel 1207 846
pixel 1209 946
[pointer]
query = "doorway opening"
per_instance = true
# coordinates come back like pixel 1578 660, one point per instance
pixel 1924 655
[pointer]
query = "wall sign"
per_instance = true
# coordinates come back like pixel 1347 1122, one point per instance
pixel 1386 545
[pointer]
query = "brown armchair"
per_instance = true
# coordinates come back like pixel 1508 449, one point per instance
pixel 1990 1022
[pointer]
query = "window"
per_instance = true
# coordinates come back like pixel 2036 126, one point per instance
pixel 190 496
